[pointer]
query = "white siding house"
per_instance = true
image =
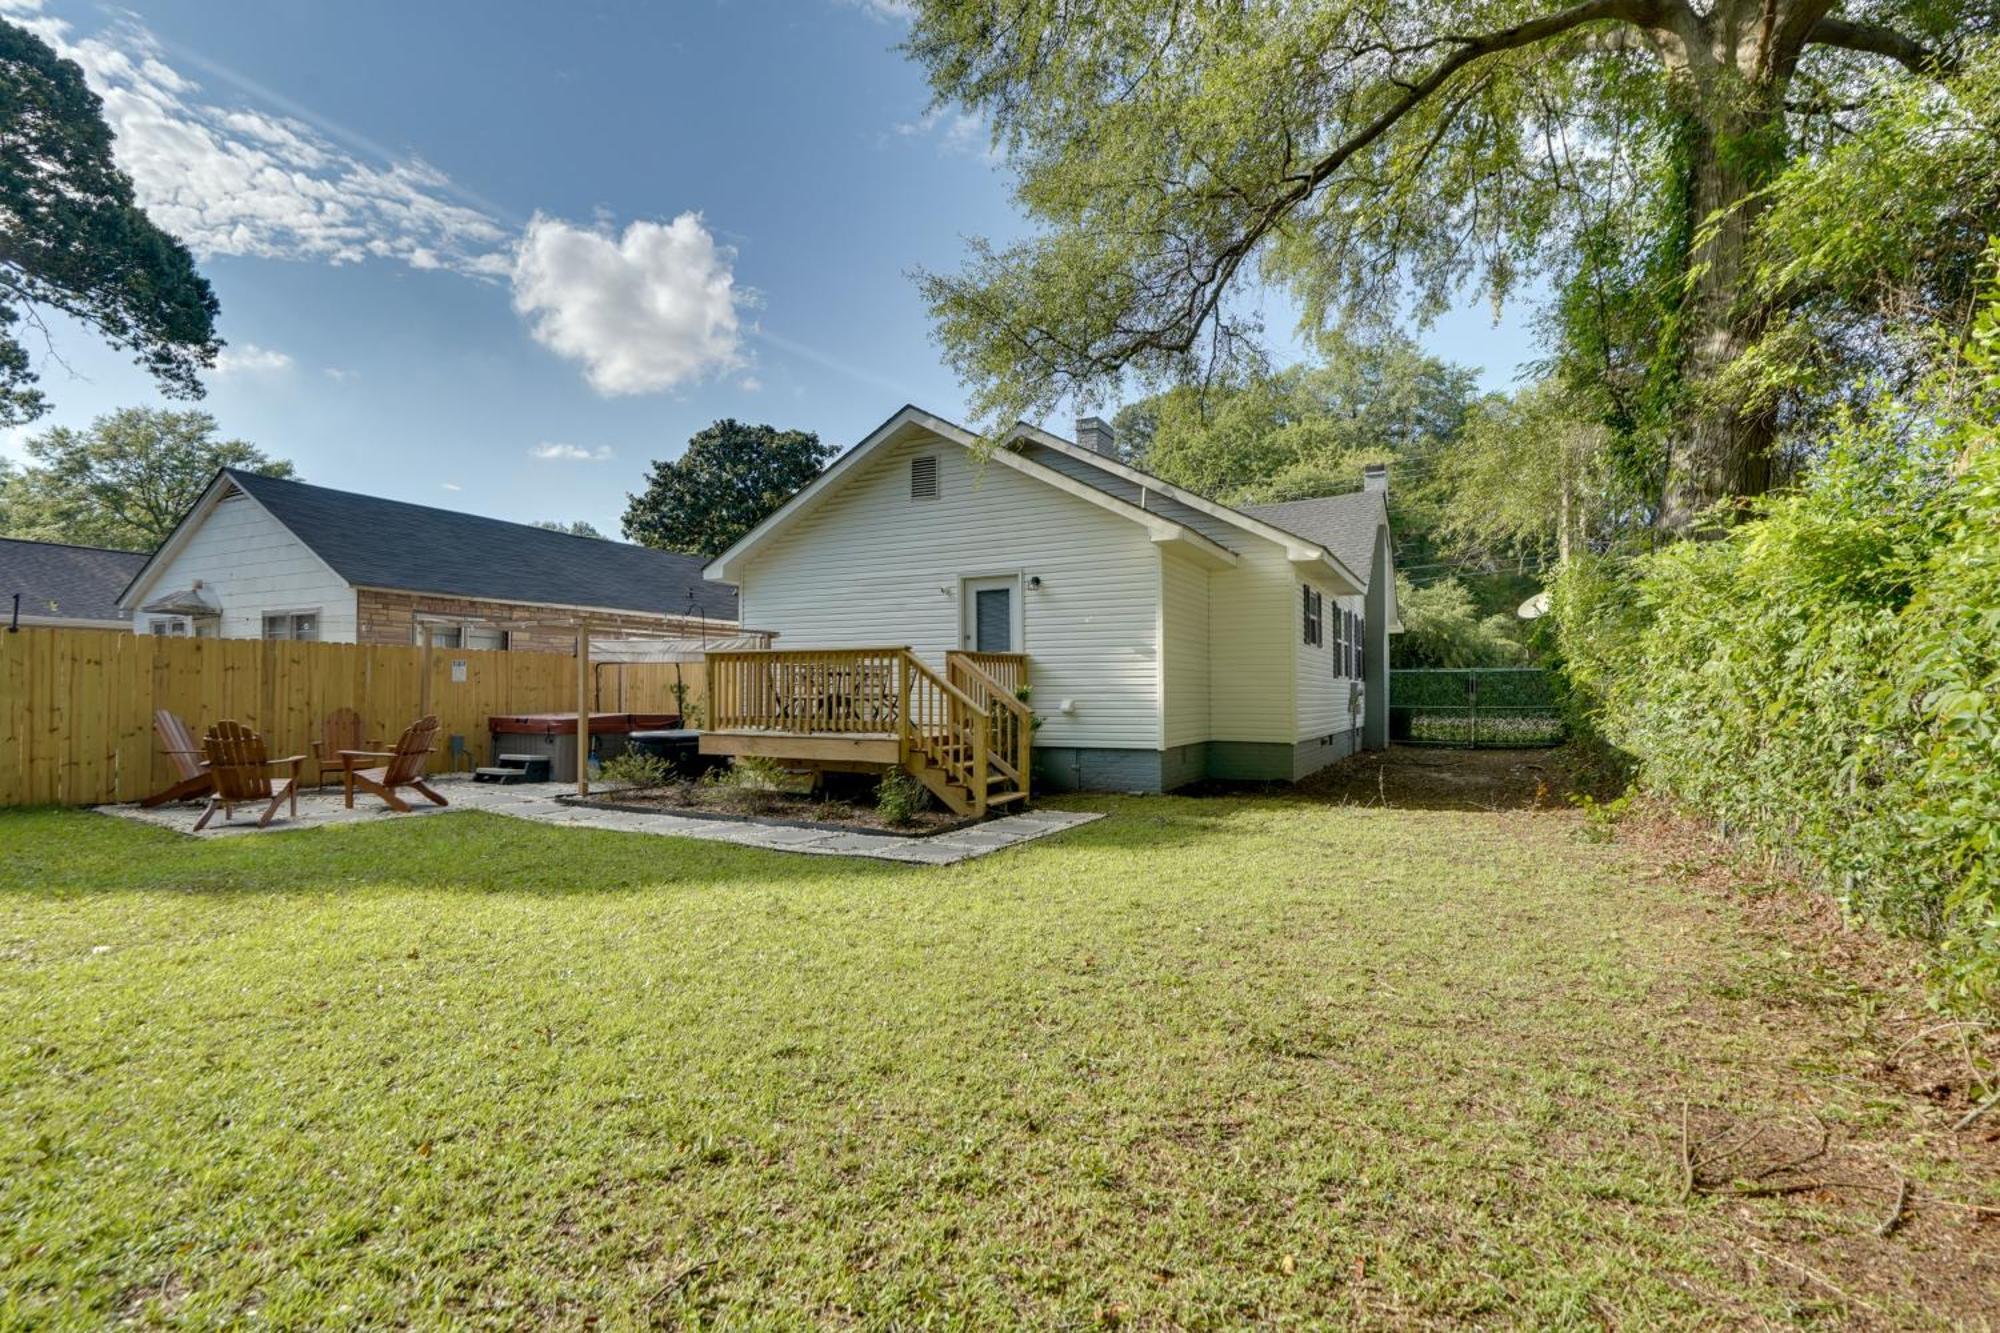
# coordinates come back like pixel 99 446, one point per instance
pixel 273 557
pixel 1165 632
pixel 249 566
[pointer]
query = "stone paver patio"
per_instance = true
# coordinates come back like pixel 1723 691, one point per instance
pixel 538 801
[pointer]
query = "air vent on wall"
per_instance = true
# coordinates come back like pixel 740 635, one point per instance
pixel 924 478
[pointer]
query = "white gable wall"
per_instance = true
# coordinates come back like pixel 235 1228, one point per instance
pixel 869 565
pixel 250 565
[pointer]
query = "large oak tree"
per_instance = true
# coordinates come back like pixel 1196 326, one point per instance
pixel 1370 154
pixel 74 240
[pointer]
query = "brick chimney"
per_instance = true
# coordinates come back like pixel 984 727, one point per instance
pixel 1375 477
pixel 1094 434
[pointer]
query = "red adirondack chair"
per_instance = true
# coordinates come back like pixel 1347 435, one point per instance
pixel 242 772
pixel 191 776
pixel 404 769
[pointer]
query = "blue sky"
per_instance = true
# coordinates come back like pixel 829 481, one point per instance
pixel 497 256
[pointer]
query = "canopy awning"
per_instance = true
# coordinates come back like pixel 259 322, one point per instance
pixel 186 602
pixel 688 649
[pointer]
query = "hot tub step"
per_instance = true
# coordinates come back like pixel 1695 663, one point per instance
pixel 515 768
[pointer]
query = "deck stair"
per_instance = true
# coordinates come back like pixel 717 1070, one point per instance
pixel 965 733
pixel 511 768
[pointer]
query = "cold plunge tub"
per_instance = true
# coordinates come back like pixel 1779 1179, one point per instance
pixel 552 736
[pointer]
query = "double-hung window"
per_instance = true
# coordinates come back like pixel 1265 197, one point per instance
pixel 300 625
pixel 1313 606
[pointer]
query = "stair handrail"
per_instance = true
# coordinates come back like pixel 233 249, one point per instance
pixel 1020 757
pixel 973 776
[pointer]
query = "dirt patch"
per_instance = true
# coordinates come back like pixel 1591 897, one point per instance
pixel 706 800
pixel 1412 777
pixel 1867 1173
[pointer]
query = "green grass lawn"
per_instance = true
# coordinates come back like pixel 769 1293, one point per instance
pixel 1203 1063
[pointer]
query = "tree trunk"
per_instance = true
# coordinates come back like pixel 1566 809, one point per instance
pixel 1720 451
pixel 1732 65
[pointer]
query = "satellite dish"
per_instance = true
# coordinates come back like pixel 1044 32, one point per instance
pixel 1535 607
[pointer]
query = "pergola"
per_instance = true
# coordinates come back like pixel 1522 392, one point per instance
pixel 583 626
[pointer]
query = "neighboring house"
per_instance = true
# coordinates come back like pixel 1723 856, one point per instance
pixel 1169 638
pixel 75 587
pixel 260 557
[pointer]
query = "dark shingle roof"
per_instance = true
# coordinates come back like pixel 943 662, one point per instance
pixel 70 582
pixel 1343 524
pixel 377 543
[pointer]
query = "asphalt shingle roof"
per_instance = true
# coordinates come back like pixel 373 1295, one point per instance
pixel 376 543
pixel 70 582
pixel 1343 524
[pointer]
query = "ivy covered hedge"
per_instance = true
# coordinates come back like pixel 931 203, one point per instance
pixel 1824 680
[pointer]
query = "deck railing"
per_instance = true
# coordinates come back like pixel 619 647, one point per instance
pixel 943 726
pixel 967 722
pixel 995 683
pixel 1008 670
pixel 843 691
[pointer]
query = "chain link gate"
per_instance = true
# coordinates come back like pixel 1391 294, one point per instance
pixel 1474 708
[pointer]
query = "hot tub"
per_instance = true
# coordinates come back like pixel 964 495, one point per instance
pixel 552 736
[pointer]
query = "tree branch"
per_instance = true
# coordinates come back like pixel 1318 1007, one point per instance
pixel 1210 288
pixel 1913 55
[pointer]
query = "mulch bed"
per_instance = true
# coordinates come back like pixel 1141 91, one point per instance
pixel 699 800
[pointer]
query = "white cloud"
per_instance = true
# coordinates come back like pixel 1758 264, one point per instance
pixel 232 180
pixel 571 453
pixel 341 375
pixel 643 311
pixel 450 486
pixel 960 133
pixel 240 358
pixel 750 384
pixel 889 11
pixel 648 310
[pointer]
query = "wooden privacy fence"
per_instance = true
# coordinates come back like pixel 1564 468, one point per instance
pixel 76 706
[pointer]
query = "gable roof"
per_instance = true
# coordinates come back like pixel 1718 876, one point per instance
pixel 1122 478
pixel 1344 524
pixel 910 421
pixel 61 582
pixel 371 542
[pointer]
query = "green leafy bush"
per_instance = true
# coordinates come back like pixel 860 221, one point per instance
pixel 1442 628
pixel 752 772
pixel 899 798
pixel 1824 680
pixel 636 768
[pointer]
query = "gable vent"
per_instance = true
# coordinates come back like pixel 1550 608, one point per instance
pixel 924 478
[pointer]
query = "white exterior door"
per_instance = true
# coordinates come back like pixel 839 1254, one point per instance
pixel 990 615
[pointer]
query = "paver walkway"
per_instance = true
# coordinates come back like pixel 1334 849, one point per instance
pixel 538 801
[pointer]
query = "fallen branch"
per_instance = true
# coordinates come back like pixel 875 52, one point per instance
pixel 1687 1156
pixel 1825 1134
pixel 1895 1218
pixel 1964 1122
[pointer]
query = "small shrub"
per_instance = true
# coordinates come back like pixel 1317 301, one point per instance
pixel 900 798
pixel 694 712
pixel 1602 816
pixel 636 768
pixel 751 772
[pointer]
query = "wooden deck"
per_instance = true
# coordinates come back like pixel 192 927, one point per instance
pixel 967 735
